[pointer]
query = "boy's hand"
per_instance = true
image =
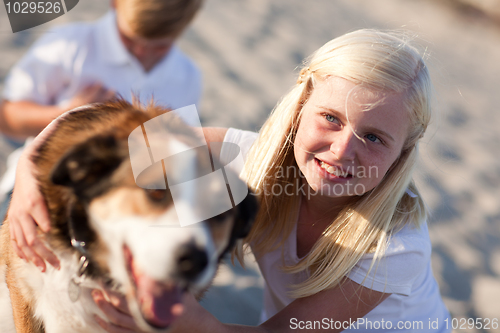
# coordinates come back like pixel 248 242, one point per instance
pixel 94 93
pixel 26 211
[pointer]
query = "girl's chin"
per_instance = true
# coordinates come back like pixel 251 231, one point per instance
pixel 335 191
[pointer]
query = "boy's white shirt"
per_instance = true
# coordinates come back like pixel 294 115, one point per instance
pixel 405 272
pixel 68 58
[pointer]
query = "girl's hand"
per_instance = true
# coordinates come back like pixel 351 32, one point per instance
pixel 119 319
pixel 26 211
pixel 117 313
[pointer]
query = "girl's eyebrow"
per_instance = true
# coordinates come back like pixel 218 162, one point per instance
pixel 337 114
pixel 371 129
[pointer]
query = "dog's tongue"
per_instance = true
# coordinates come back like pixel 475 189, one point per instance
pixel 160 304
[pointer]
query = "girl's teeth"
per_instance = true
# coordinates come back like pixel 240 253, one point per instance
pixel 332 170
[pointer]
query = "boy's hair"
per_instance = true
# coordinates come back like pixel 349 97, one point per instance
pixel 158 18
pixel 374 59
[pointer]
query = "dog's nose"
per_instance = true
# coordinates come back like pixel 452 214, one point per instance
pixel 191 261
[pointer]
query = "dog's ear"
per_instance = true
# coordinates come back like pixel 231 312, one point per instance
pixel 246 211
pixel 88 163
pixel 245 215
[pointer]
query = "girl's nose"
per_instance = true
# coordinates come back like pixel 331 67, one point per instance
pixel 344 145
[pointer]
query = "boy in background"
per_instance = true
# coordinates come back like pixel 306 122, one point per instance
pixel 130 51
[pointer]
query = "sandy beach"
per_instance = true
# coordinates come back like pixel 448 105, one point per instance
pixel 248 53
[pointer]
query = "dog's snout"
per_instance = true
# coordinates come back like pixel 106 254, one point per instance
pixel 191 261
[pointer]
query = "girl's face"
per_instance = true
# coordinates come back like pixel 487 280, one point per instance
pixel 349 137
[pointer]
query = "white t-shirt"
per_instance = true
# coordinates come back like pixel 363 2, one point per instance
pixel 69 58
pixel 404 271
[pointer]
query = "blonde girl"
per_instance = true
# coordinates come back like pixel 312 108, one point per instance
pixel 341 235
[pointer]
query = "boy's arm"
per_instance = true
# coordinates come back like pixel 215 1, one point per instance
pixel 22 119
pixel 33 84
pixel 39 78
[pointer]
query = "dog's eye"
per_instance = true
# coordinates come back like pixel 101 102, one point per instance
pixel 156 195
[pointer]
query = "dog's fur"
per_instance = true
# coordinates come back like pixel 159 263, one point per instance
pixel 86 177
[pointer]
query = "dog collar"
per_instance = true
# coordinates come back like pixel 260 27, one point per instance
pixel 77 217
pixel 74 283
pixel 76 242
pixel 82 267
pixel 80 246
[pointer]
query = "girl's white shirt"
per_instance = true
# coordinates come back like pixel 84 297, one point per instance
pixel 405 272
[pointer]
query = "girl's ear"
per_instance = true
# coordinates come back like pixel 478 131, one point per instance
pixel 113 4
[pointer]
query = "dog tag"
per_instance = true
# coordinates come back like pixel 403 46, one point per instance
pixel 73 290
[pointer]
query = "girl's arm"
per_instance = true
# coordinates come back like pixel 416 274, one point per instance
pixel 342 305
pixel 336 307
pixel 214 134
pixel 27 209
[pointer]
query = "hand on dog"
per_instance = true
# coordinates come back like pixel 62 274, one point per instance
pixel 119 319
pixel 115 308
pixel 26 211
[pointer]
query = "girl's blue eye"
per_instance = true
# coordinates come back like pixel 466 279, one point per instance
pixel 372 138
pixel 331 118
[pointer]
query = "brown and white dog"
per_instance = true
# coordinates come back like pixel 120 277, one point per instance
pixel 110 233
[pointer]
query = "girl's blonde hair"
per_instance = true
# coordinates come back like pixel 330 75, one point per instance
pixel 382 61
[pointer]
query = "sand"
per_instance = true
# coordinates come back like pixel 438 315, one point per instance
pixel 249 51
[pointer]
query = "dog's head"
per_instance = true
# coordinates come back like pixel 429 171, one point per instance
pixel 134 235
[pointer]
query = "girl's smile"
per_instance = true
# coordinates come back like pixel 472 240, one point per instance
pixel 333 172
pixel 348 137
